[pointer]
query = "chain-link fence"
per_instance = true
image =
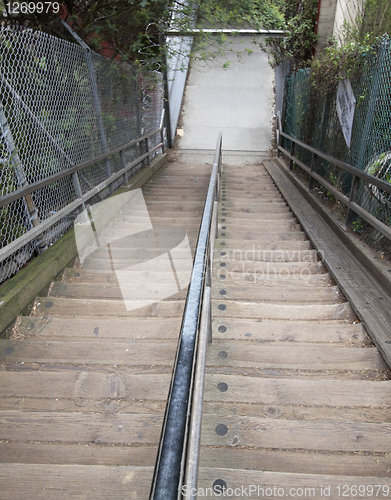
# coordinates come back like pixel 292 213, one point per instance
pixel 314 120
pixel 61 106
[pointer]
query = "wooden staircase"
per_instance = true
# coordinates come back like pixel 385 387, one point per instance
pixel 84 381
pixel 297 398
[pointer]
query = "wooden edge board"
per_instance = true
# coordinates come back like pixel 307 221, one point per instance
pixel 18 292
pixel 367 298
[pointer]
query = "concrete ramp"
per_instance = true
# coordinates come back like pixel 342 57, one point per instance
pixel 238 101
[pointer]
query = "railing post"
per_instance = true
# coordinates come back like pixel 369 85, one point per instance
pixel 352 199
pixel 147 151
pixel 314 160
pixel 95 96
pixel 20 177
pixel 162 140
pixel 167 114
pixel 293 147
pixel 278 128
pixel 77 187
pixel 125 178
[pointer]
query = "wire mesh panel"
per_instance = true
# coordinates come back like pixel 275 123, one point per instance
pixel 314 119
pixel 61 106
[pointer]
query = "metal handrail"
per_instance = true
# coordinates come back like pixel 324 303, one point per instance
pixel 177 456
pixel 357 175
pixel 32 234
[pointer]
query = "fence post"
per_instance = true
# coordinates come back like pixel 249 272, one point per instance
pixel 21 178
pixel 293 147
pixel 125 179
pixel 95 96
pixel 352 199
pixel 314 160
pixel 167 114
pixel 147 151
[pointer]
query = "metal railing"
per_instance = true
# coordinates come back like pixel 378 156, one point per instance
pixel 73 119
pixel 28 189
pixel 177 459
pixel 358 176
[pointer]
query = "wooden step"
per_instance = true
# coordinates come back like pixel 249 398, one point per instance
pixel 297 412
pixel 129 353
pixel 298 281
pixel 83 383
pixel 62 307
pixel 278 225
pixel 239 249
pixel 73 454
pixel 278 295
pixel 293 357
pixel 93 482
pixel 135 288
pixel 80 275
pixel 300 392
pixel 258 236
pixel 253 270
pixel 294 312
pixel 254 209
pixel 288 331
pixel 291 434
pixel 297 462
pixel 125 429
pixel 275 485
pixel 104 329
pixel 261 254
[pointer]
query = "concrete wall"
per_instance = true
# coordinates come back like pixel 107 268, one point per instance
pixel 347 10
pixel 332 15
pixel 326 21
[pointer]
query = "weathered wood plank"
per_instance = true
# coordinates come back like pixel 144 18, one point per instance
pixel 296 462
pixel 292 234
pixel 335 393
pixel 84 385
pixel 72 454
pixel 254 249
pixel 136 287
pixel 92 482
pixel 78 405
pixel 291 434
pixel 59 307
pixel 299 281
pixel 300 413
pixel 275 485
pixel 129 353
pixel 287 331
pixel 282 373
pixel 81 428
pixel 257 354
pixel 259 270
pixel 104 329
pixel 247 291
pixel 294 312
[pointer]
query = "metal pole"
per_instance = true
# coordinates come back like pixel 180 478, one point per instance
pixel 95 96
pixel 167 114
pixel 352 199
pixel 293 145
pixel 314 160
pixel 125 179
pixel 20 176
